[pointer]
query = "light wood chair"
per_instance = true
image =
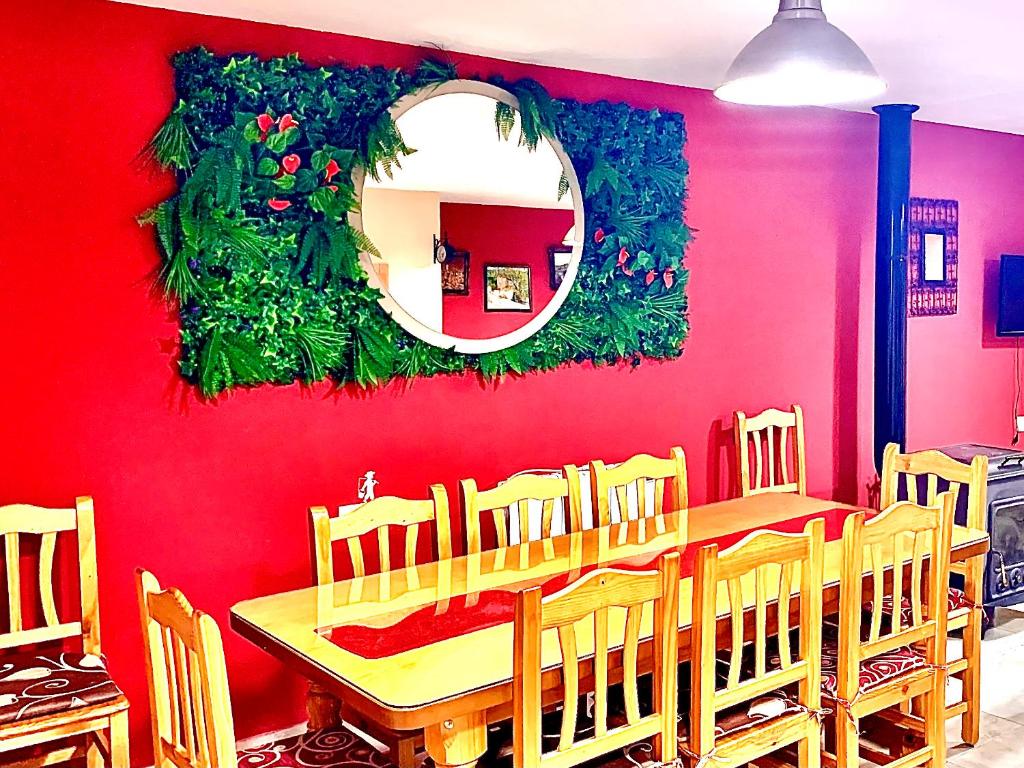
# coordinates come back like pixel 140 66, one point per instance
pixel 774 450
pixel 751 716
pixel 511 501
pixel 353 522
pixel 937 471
pixel 49 697
pixel 871 668
pixel 588 619
pixel 633 477
pixel 190 702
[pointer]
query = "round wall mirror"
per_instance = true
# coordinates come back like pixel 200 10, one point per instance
pixel 480 237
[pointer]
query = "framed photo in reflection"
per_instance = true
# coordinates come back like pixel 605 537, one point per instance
pixel 455 273
pixel 559 257
pixel 507 288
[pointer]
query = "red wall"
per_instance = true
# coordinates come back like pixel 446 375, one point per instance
pixel 499 234
pixel 214 497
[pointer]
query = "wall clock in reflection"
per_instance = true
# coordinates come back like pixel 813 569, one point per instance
pixel 468 184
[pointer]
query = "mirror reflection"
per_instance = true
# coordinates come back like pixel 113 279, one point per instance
pixel 475 231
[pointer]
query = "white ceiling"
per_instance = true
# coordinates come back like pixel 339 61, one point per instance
pixel 958 59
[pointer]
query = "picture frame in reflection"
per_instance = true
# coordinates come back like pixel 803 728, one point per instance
pixel 455 273
pixel 507 288
pixel 559 257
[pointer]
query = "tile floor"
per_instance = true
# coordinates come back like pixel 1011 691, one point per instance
pixel 1002 698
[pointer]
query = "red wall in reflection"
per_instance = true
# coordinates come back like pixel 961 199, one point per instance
pixel 499 234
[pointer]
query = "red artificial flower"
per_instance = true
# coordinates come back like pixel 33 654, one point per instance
pixel 669 278
pixel 623 256
pixel 627 271
pixel 286 122
pixel 651 277
pixel 332 169
pixel 291 163
pixel 332 187
pixel 599 236
pixel 264 122
pixel 278 205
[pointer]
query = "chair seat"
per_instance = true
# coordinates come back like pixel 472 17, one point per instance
pixel 956 599
pixel 874 672
pixel 34 686
pixel 327 748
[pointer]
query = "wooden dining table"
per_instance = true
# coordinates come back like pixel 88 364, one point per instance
pixel 429 648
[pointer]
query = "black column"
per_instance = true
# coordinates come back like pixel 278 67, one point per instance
pixel 891 276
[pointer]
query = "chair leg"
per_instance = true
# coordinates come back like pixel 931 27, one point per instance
pixel 119 756
pixel 93 750
pixel 847 741
pixel 405 752
pixel 322 707
pixel 970 724
pixel 810 748
pixel 935 722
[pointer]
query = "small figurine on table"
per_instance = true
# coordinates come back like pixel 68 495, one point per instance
pixel 366 487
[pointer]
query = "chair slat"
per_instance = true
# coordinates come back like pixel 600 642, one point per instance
pixel 735 587
pixel 898 559
pixel 355 552
pixel 601 672
pixel 571 675
pixel 383 548
pixel 631 642
pixel 47 548
pixel 12 549
pixel 783 454
pixel 758 468
pixel 770 439
pixel 785 591
pixel 760 621
pixel 878 580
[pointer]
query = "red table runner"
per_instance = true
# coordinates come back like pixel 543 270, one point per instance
pixel 492 608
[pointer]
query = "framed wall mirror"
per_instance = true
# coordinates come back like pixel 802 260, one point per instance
pixel 932 258
pixel 493 197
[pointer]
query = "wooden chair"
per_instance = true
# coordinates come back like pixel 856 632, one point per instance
pixel 635 474
pixel 965 606
pixel 353 522
pixel 190 702
pixel 751 716
pixel 511 500
pixel 48 697
pixel 772 455
pixel 589 618
pixel 868 670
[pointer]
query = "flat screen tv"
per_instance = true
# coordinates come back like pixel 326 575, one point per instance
pixel 1010 321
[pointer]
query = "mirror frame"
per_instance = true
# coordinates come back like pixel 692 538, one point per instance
pixel 410 323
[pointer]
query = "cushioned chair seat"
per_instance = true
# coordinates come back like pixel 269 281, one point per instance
pixel 729 723
pixel 873 672
pixel 327 748
pixel 33 686
pixel 956 599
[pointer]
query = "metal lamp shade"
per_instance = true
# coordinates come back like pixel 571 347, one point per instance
pixel 800 60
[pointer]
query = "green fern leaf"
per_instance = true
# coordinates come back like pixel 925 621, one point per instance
pixel 172 145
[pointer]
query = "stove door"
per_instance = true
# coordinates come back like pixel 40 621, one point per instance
pixel 1005 575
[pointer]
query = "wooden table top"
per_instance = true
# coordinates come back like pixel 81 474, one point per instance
pixel 415 645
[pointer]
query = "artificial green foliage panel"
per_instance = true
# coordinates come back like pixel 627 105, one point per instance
pixel 258 252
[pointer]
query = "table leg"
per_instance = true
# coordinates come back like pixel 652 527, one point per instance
pixel 323 708
pixel 458 742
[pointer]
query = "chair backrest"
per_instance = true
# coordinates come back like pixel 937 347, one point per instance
pixel 511 500
pixel 774 450
pixel 758 569
pixel 378 516
pixel 590 617
pixel 21 520
pixel 933 468
pixel 903 531
pixel 634 476
pixel 189 700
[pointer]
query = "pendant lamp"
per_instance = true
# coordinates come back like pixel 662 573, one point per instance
pixel 800 60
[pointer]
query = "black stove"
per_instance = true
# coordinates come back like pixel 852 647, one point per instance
pixel 1004 571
